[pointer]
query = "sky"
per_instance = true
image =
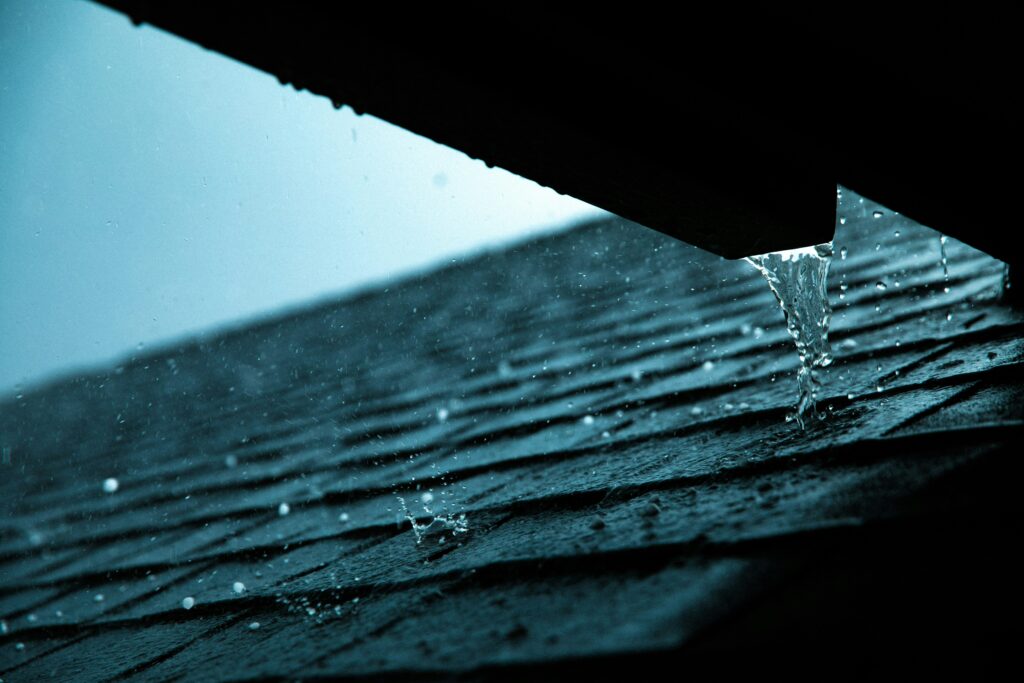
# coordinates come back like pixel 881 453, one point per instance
pixel 151 190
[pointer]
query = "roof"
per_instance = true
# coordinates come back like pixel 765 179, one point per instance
pixel 605 406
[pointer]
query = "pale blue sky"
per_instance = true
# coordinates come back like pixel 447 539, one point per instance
pixel 150 190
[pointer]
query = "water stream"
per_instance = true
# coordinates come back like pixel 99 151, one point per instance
pixel 798 279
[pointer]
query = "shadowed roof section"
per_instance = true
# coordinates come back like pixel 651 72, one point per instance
pixel 605 406
pixel 726 128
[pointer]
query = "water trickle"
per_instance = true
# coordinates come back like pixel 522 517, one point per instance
pixel 944 262
pixel 798 279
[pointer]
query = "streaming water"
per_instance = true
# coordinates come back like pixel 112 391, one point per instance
pixel 798 279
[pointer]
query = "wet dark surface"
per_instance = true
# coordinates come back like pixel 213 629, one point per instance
pixel 607 408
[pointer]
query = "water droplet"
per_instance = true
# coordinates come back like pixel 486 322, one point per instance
pixel 708 366
pixel 19 647
pixel 4 628
pixel 843 251
pixel 588 420
pixel 842 220
pixel 877 214
pixel 442 414
pixel 427 498
pixel 231 461
pixel 254 626
pixel 343 517
pixel 110 485
pixel 696 410
pixel 283 509
pixel 98 597
pixel 880 285
pixel 896 233
pixel 188 603
pixel 238 587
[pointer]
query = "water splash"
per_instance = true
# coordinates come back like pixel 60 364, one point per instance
pixel 798 279
pixel 439 526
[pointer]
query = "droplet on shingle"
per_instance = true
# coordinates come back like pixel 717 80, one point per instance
pixel 110 485
pixel 189 602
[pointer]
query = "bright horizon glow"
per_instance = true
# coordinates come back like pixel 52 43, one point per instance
pixel 153 191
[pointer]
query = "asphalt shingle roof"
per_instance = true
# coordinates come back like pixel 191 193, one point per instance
pixel 626 501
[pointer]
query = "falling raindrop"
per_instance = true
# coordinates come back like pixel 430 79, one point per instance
pixel 283 509
pixel 188 603
pixel 110 485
